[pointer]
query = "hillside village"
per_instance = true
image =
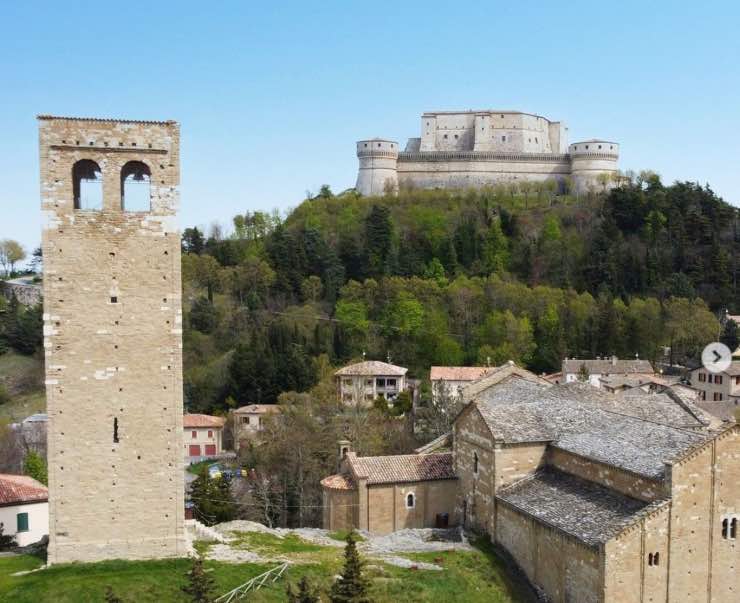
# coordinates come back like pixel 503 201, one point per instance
pixel 272 393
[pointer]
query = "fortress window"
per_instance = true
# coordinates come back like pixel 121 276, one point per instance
pixel 115 430
pixel 445 136
pixel 653 559
pixel 503 139
pixel 733 528
pixel 87 185
pixel 410 501
pixel 135 186
pixel 455 136
pixel 475 463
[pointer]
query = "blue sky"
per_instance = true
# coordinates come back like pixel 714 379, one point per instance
pixel 271 97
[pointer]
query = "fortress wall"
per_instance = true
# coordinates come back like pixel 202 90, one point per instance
pixel 464 173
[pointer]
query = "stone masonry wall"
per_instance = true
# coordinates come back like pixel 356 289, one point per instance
pixel 565 569
pixel 113 346
pixel 387 510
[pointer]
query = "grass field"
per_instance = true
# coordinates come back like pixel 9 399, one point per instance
pixel 21 377
pixel 476 576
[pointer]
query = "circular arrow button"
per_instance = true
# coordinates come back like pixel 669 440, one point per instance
pixel 716 357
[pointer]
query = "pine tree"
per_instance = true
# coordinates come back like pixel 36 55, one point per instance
pixel 200 585
pixel 352 586
pixel 306 592
pixel 111 597
pixel 730 335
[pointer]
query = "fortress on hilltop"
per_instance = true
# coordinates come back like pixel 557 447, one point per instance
pixel 468 149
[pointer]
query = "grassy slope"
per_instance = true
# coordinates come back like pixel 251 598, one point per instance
pixel 22 377
pixel 477 576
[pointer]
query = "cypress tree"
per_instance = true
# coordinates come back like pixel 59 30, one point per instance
pixel 200 585
pixel 352 586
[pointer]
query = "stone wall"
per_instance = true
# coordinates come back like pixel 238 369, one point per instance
pixel 388 512
pixel 28 295
pixel 113 346
pixel 564 568
pixel 340 509
pixel 629 574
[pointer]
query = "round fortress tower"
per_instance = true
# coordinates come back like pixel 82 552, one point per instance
pixel 589 159
pixel 378 162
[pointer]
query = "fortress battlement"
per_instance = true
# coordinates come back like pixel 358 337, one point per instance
pixel 471 149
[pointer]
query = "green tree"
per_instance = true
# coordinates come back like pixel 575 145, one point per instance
pixel 200 586
pixel 304 593
pixel 730 336
pixel 193 241
pixel 504 337
pixel 11 252
pixel 378 239
pixel 212 498
pixel 35 466
pixel 203 315
pixel 351 586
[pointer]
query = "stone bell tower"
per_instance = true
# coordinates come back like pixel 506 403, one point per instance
pixel 112 338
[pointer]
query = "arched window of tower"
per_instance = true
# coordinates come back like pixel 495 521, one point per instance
pixel 87 185
pixel 135 187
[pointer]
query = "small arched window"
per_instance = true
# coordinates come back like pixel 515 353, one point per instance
pixel 410 500
pixel 733 528
pixel 87 185
pixel 135 184
pixel 475 463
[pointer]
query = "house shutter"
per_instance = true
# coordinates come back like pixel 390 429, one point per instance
pixel 22 522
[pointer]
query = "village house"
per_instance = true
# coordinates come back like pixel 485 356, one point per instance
pixel 24 508
pixel 597 497
pixel 450 380
pixel 716 387
pixel 363 382
pixel 203 436
pixel 600 368
pixel 249 421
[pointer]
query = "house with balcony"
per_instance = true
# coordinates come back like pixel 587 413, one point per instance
pixel 249 421
pixel 363 382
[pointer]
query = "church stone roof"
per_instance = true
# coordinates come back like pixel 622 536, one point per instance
pixel 589 512
pixel 402 467
pixel 589 422
pixel 371 368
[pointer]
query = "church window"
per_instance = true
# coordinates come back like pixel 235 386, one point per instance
pixel 653 559
pixel 87 185
pixel 410 500
pixel 135 186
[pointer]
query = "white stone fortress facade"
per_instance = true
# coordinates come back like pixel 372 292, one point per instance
pixel 472 149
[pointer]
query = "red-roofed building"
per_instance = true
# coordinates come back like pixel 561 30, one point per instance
pixel 24 508
pixel 203 436
pixel 382 494
pixel 450 380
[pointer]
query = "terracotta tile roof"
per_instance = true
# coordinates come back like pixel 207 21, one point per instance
pixel 15 489
pixel 607 366
pixel 402 467
pixel 371 367
pixel 338 481
pixel 259 409
pixel 202 421
pixel 459 373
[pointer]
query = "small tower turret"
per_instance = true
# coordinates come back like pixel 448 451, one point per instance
pixel 589 160
pixel 378 160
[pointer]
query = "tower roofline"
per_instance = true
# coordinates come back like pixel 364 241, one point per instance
pixel 486 112
pixel 46 117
